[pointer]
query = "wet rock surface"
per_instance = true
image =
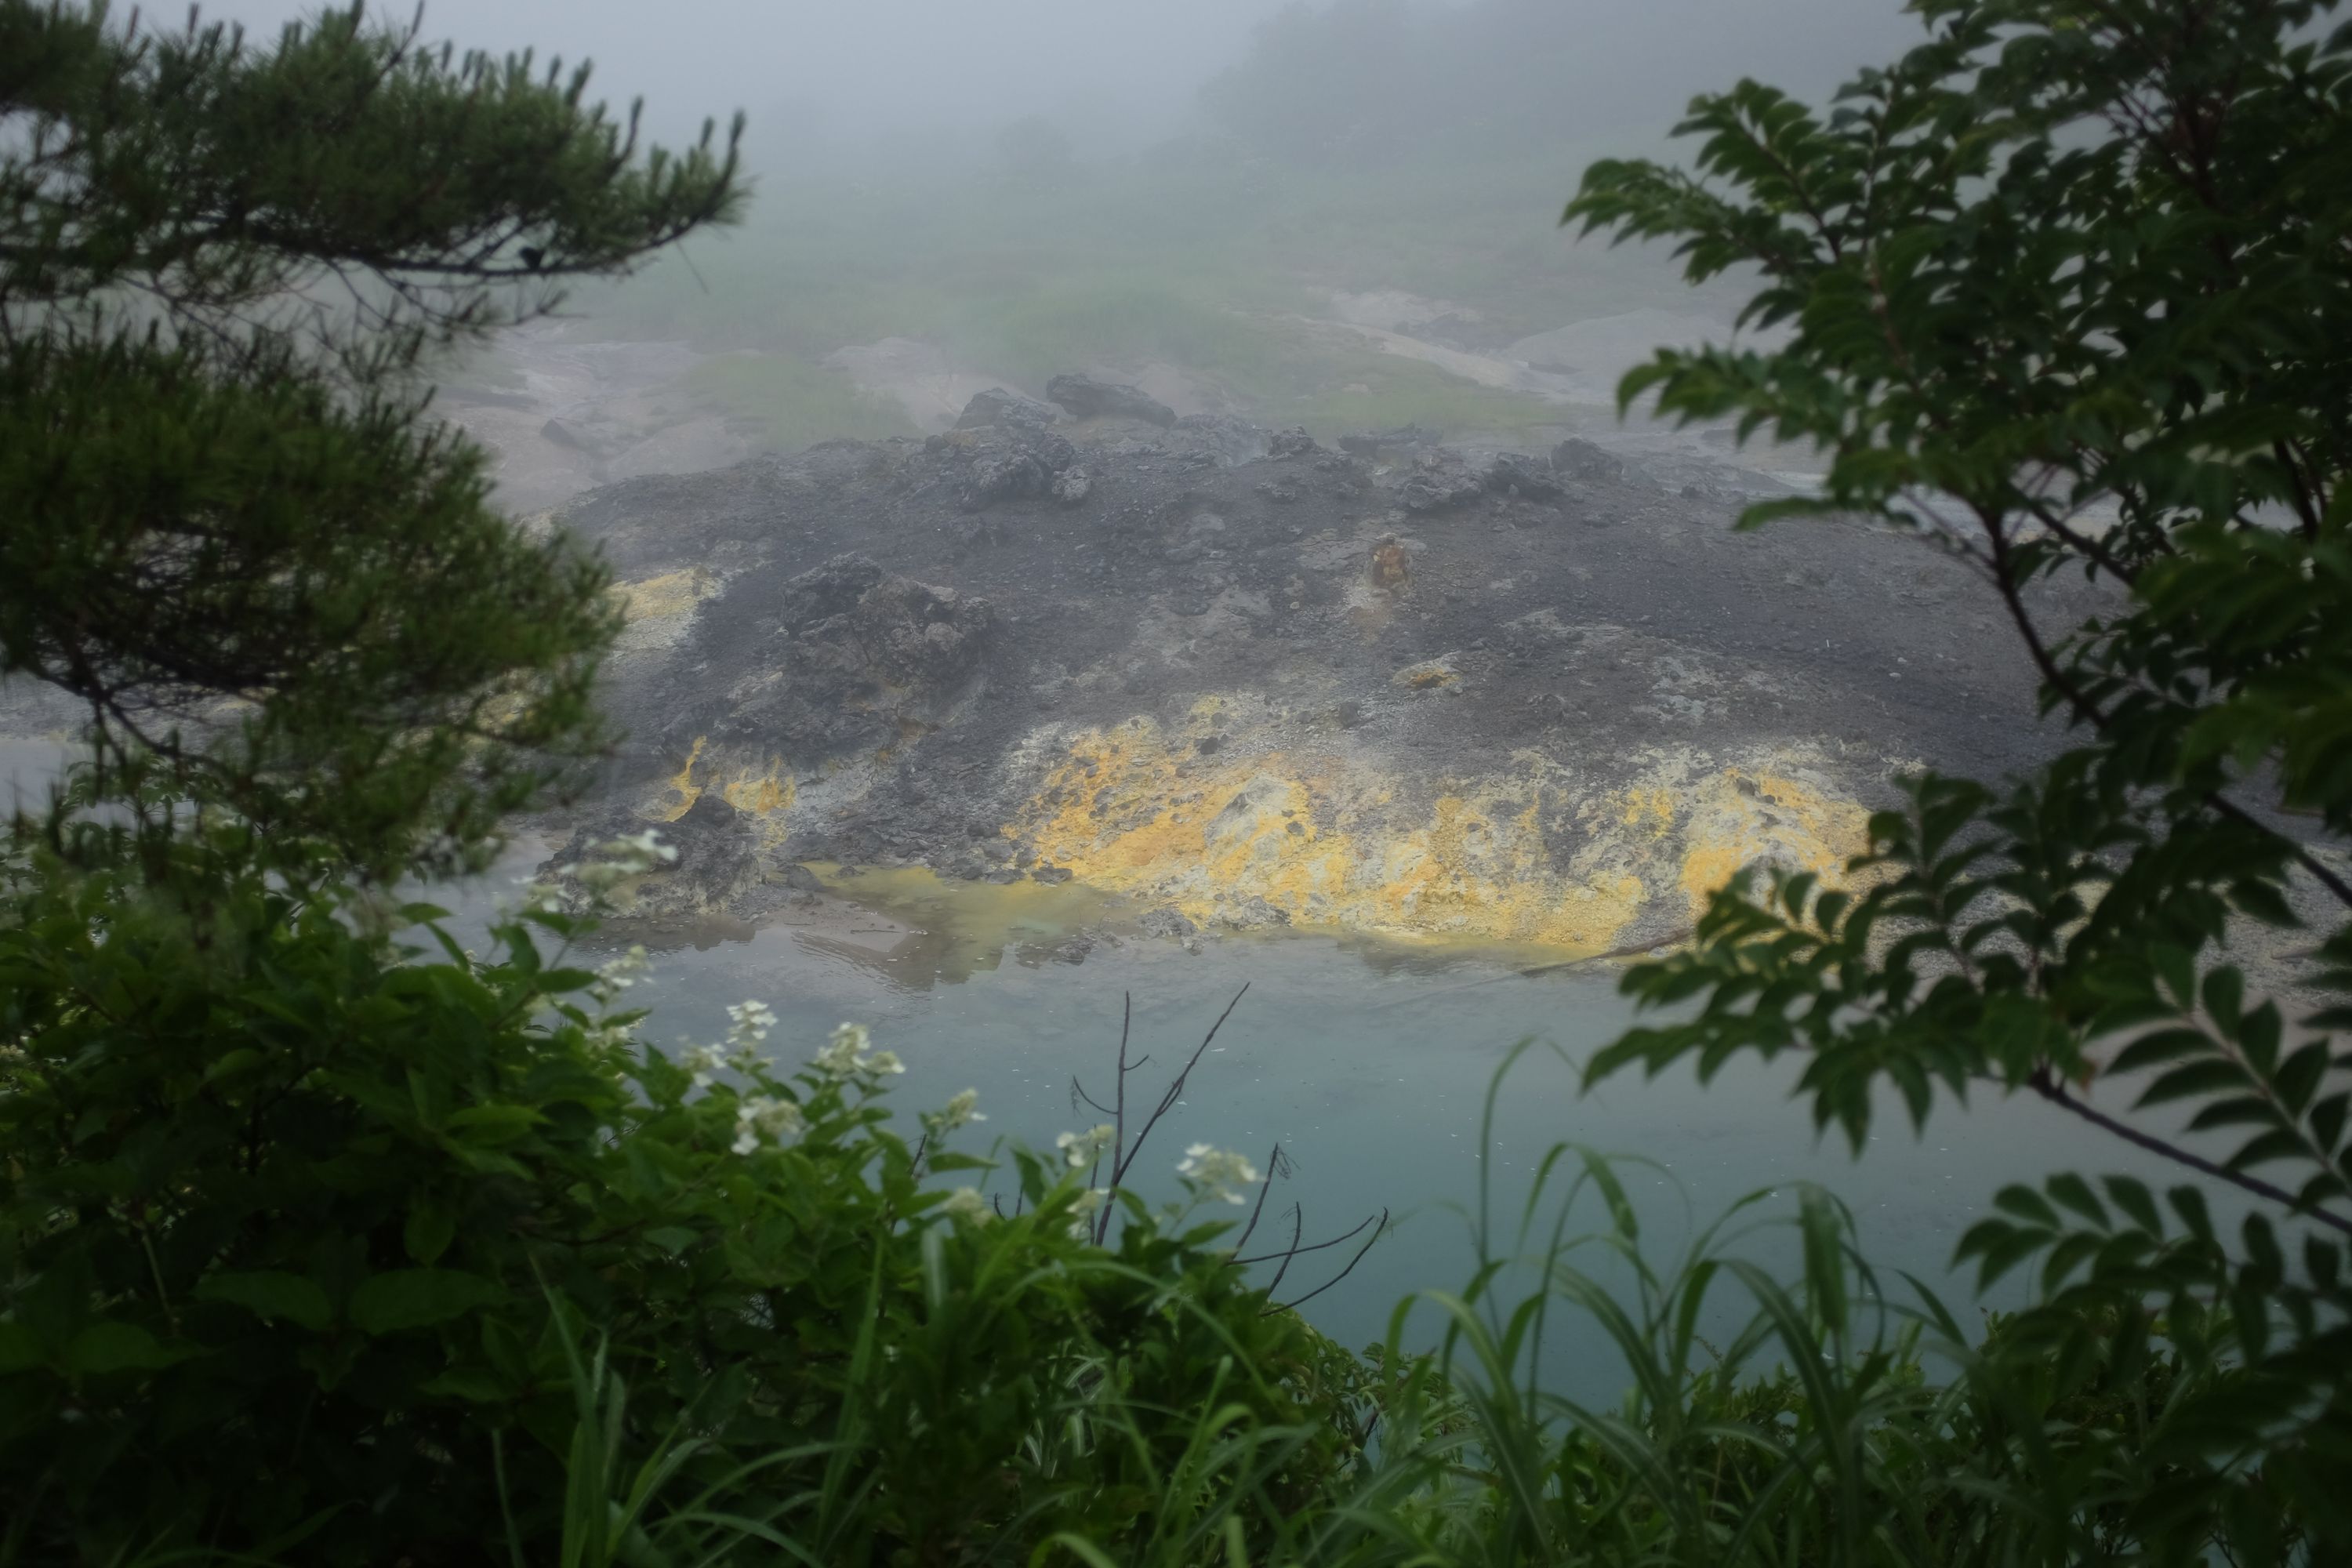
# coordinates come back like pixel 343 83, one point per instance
pixel 1542 697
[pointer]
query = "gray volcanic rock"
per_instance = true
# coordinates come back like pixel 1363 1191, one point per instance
pixel 855 654
pixel 1087 398
pixel 1441 481
pixel 1582 460
pixel 1005 409
pixel 1529 478
pixel 1404 439
pixel 1525 701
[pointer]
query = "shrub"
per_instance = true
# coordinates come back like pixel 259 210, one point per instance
pixel 311 1246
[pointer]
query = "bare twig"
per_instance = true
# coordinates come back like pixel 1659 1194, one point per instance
pixel 1175 1089
pixel 1378 1231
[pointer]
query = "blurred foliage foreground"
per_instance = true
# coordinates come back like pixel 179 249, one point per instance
pixel 323 1240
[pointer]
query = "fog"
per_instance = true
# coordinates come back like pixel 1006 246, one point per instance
pixel 823 77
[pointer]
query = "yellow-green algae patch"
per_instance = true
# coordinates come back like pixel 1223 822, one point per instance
pixel 1330 840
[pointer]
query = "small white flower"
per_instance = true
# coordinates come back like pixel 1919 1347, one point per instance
pixel 1083 1210
pixel 1220 1171
pixel 966 1204
pixel 625 971
pixel 845 1055
pixel 703 1062
pixel 1083 1149
pixel 761 1116
pixel 754 1018
pixel 961 1108
pixel 647 846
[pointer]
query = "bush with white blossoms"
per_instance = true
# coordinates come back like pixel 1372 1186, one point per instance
pixel 766 1117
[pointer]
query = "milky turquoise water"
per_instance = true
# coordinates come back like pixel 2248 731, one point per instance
pixel 1372 1069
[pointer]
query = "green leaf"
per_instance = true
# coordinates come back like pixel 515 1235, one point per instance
pixel 20 1348
pixel 104 1348
pixel 272 1295
pixel 492 1125
pixel 476 1386
pixel 431 1227
pixel 418 1298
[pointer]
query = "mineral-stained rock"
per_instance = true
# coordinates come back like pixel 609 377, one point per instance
pixel 1166 922
pixel 1186 639
pixel 1087 398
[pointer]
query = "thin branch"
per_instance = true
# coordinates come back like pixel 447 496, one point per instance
pixel 1298 1227
pixel 1296 1250
pixel 1276 1164
pixel 1119 1116
pixel 2049 1089
pixel 1377 1232
pixel 1175 1089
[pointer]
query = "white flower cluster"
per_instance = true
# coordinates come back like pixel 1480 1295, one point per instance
pixel 765 1117
pixel 844 1056
pixel 620 974
pixel 1221 1172
pixel 1083 1149
pixel 962 1109
pixel 966 1204
pixel 1083 1210
pixel 609 865
pixel 618 860
pixel 703 1062
pixel 748 1024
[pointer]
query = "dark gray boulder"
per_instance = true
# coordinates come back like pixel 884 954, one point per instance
pixel 1005 410
pixel 1441 481
pixel 1586 463
pixel 1087 398
pixel 1529 478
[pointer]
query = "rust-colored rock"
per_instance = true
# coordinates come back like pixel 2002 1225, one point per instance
pixel 1390 569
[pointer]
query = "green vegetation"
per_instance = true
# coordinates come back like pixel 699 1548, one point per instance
pixel 322 1240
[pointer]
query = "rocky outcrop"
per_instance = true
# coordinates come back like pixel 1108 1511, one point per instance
pixel 1001 408
pixel 1586 463
pixel 1087 398
pixel 1441 481
pixel 1413 694
pixel 856 656
pixel 1007 462
pixel 717 870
